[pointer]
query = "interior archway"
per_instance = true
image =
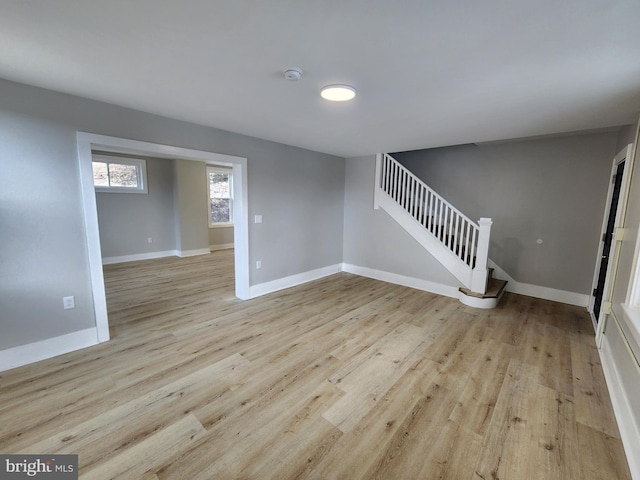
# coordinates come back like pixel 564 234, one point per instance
pixel 88 142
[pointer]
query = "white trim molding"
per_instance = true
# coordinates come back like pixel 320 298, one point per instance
pixel 537 291
pixel 51 347
pixel 627 423
pixel 293 280
pixel 417 283
pixel 193 253
pixel 545 293
pixel 88 141
pixel 162 254
pixel 513 286
pixel 139 256
pixel 92 233
pixel 223 246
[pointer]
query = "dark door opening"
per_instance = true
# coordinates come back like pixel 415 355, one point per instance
pixel 608 241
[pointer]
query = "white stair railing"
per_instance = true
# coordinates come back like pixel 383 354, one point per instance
pixel 464 239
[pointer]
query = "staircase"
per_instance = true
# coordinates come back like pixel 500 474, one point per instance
pixel 458 243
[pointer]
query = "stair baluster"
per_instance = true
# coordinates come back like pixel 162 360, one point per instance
pixel 462 238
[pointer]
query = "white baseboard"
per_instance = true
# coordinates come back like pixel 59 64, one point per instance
pixel 193 253
pixel 33 352
pixel 405 281
pixel 152 255
pixel 300 278
pixel 51 347
pixel 513 286
pixel 629 430
pixel 224 246
pixel 139 256
pixel 537 291
pixel 562 296
pixel 292 281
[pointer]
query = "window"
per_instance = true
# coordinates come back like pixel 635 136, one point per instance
pixel 630 324
pixel 633 295
pixel 220 197
pixel 119 174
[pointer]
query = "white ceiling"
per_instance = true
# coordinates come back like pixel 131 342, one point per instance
pixel 428 72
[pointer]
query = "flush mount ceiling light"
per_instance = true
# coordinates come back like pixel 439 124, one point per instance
pixel 338 93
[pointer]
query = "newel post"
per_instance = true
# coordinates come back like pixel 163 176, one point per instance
pixel 376 188
pixel 479 274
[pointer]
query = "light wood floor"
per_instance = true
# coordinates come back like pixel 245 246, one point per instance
pixel 345 377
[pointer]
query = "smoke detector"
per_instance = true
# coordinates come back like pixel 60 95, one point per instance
pixel 292 74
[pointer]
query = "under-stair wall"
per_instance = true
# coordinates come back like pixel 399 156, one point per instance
pixel 548 189
pixel 376 246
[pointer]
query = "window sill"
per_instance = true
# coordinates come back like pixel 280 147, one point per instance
pixel 221 225
pixel 120 190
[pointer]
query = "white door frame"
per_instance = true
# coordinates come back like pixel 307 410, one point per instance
pixel 624 155
pixel 88 141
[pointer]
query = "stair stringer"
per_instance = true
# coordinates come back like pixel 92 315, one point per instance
pixel 429 242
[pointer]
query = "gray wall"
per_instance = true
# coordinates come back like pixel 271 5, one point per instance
pixel 173 213
pixel 190 203
pixel 127 220
pixel 42 249
pixel 220 236
pixel 301 204
pixel 373 239
pixel 552 189
pixel 44 252
pixel 626 135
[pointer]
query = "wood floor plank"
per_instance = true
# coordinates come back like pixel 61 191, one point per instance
pixel 134 462
pixel 479 394
pixel 507 442
pixel 606 460
pixel 288 449
pixel 132 419
pixel 590 390
pixel 551 352
pixel 341 378
pixel 454 454
pixel 359 450
pixel 404 455
pixel 554 434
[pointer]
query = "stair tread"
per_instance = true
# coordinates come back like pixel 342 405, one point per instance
pixel 495 288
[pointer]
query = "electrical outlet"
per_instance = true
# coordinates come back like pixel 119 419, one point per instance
pixel 149 240
pixel 68 302
pixel 258 264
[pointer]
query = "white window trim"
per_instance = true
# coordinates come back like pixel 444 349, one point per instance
pixel 631 308
pixel 141 168
pixel 633 295
pixel 230 173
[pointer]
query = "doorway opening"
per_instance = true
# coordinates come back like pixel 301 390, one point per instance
pixel 599 305
pixel 607 240
pixel 87 142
